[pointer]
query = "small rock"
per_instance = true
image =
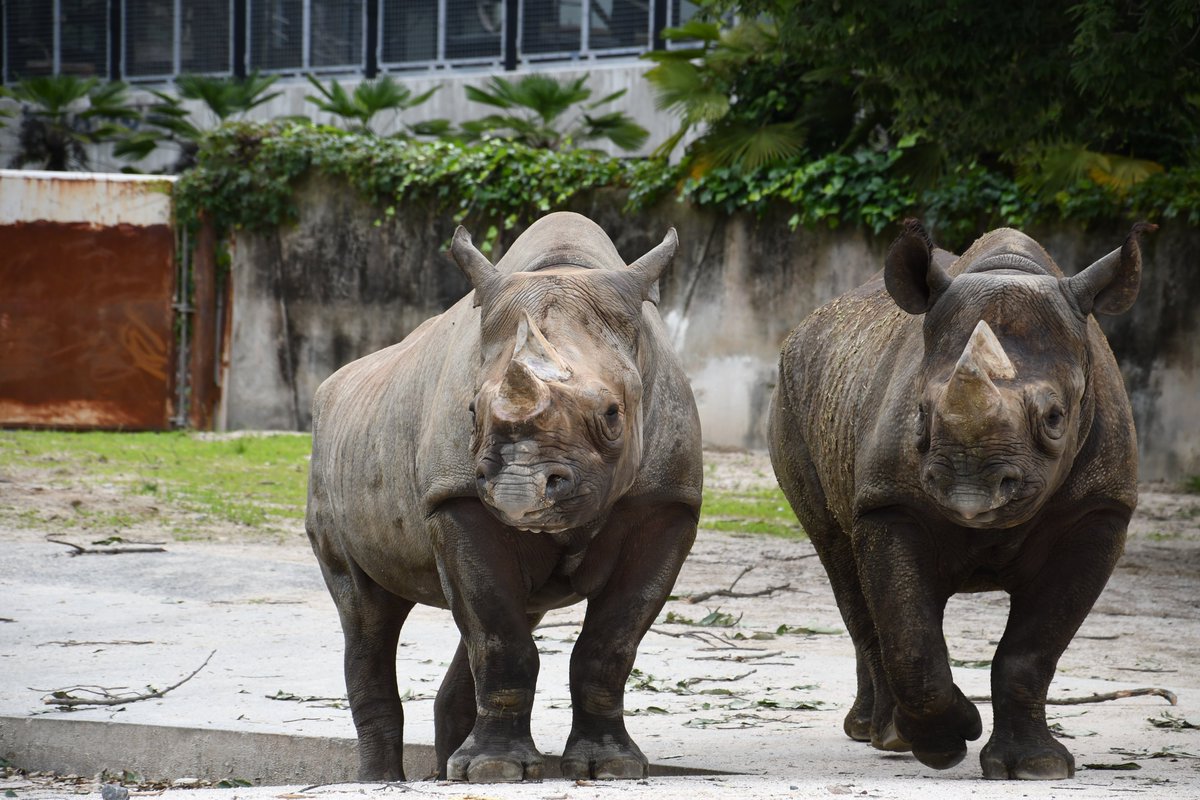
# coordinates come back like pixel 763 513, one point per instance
pixel 113 791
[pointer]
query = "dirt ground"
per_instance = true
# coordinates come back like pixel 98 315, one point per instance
pixel 1144 630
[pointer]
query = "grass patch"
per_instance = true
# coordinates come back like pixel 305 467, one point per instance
pixel 755 511
pixel 248 480
pixel 1192 484
pixel 256 481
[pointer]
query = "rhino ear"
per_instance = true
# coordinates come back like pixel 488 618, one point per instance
pixel 474 264
pixel 912 277
pixel 1111 284
pixel 646 270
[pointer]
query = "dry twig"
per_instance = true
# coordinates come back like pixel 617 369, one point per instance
pixel 80 550
pixel 64 698
pixel 1121 694
pixel 700 597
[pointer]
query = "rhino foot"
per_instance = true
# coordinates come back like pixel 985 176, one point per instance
pixel 479 765
pixel 889 740
pixel 1043 759
pixel 939 740
pixel 610 760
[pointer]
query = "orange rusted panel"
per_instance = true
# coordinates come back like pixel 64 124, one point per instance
pixel 86 325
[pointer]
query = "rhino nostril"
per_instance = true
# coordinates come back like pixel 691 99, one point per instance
pixel 558 485
pixel 1009 487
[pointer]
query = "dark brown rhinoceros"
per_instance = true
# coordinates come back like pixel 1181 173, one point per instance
pixel 534 446
pixel 959 425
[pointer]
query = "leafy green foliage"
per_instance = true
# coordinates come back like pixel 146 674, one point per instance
pixel 169 121
pixel 245 174
pixel 62 114
pixel 371 98
pixel 1101 89
pixel 534 113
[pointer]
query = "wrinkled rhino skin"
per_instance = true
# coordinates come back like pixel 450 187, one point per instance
pixel 960 424
pixel 534 446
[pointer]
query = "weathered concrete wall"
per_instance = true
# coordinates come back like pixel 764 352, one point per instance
pixel 337 286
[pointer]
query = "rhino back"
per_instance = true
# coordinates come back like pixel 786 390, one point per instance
pixel 837 368
pixel 391 435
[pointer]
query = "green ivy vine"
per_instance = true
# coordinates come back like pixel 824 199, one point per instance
pixel 246 174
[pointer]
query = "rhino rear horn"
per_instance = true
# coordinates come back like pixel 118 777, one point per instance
pixel 535 352
pixel 1110 285
pixel 912 277
pixel 475 265
pixel 647 269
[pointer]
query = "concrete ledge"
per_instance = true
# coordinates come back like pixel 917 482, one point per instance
pixel 158 753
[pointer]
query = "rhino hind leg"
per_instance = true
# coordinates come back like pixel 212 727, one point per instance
pixel 870 716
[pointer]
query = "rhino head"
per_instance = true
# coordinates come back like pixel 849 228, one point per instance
pixel 1003 403
pixel 557 417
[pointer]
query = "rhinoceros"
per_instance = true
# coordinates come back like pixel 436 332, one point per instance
pixel 534 446
pixel 960 425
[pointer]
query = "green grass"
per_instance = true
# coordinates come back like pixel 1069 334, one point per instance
pixel 755 511
pixel 248 480
pixel 255 480
pixel 1192 484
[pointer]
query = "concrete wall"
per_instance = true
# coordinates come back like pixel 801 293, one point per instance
pixel 309 298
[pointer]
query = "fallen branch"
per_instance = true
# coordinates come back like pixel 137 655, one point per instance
pixel 740 657
pixel 700 597
pixel 1166 694
pixel 688 682
pixel 64 698
pixel 80 550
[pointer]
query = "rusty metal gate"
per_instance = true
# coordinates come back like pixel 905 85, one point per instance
pixel 91 302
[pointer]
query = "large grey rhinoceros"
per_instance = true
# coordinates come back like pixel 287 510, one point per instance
pixel 534 446
pixel 960 425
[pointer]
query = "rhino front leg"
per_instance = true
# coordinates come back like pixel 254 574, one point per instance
pixel 1042 620
pixel 905 582
pixel 454 708
pixel 371 619
pixel 487 590
pixel 617 618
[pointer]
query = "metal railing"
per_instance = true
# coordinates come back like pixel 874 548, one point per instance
pixel 155 41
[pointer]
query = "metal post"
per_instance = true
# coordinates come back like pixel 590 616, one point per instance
pixel 512 16
pixel 183 308
pixel 371 37
pixel 115 12
pixel 241 28
pixel 657 24
pixel 306 34
pixel 585 26
pixel 56 36
pixel 177 40
pixel 441 32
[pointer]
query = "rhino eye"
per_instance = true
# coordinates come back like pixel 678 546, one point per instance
pixel 612 414
pixel 471 408
pixel 1054 420
pixel 922 429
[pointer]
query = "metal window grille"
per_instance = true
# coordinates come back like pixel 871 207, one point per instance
pixel 301 36
pixel 206 36
pixel 52 37
pixel 619 25
pixel 556 30
pixel 434 34
pixel 149 40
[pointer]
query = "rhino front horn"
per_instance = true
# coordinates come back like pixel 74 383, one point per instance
pixel 971 393
pixel 539 355
pixel 522 395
